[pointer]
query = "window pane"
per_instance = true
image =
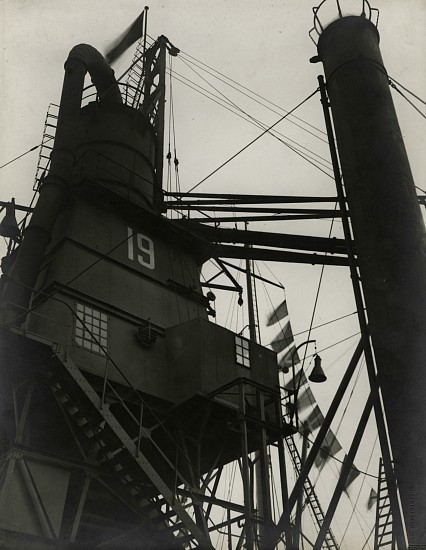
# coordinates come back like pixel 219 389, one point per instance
pixel 242 351
pixel 93 330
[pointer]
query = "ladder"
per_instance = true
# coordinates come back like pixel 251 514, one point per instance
pixel 383 534
pixel 46 145
pixel 126 451
pixel 135 77
pixel 311 497
pixel 255 304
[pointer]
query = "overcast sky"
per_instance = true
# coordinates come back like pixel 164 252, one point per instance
pixel 265 47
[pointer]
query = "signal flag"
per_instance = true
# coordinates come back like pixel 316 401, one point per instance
pixel 279 313
pixel 125 40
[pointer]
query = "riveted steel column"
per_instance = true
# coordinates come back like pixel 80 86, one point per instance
pixel 390 241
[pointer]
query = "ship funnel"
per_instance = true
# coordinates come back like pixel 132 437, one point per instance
pixel 390 241
pixel 54 192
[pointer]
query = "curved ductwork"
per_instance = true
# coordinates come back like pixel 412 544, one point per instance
pixel 54 192
pixel 101 73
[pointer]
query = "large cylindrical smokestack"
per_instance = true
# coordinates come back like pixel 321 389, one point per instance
pixel 390 240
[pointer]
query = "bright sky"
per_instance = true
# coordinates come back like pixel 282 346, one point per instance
pixel 265 47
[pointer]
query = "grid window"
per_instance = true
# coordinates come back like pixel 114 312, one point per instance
pixel 91 329
pixel 242 351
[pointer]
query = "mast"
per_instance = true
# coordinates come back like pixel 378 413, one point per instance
pixel 263 495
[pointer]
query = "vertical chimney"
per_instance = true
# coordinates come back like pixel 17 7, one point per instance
pixel 390 241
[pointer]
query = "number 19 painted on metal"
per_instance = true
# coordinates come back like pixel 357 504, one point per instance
pixel 144 248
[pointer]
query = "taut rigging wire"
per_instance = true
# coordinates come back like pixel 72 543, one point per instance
pixel 407 90
pixel 392 85
pixel 254 93
pixel 23 154
pixel 258 122
pixel 254 121
pixel 254 140
pixel 359 492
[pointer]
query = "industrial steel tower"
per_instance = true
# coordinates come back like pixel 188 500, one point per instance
pixel 121 403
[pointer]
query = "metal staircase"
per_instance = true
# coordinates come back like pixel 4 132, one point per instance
pixel 383 534
pixel 120 443
pixel 311 497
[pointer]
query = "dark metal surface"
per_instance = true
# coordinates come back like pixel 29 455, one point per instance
pixel 390 239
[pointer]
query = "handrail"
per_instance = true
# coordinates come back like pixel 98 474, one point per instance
pixel 123 86
pixel 318 28
pixel 142 402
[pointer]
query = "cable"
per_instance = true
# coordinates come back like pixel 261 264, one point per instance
pixel 255 121
pixel 324 450
pixel 254 140
pixel 368 538
pixel 335 344
pixel 323 324
pixel 350 396
pixel 315 306
pixel 23 154
pixel 327 323
pixel 407 90
pixel 263 104
pixel 360 489
pixel 392 85
pixel 254 93
pixel 260 125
